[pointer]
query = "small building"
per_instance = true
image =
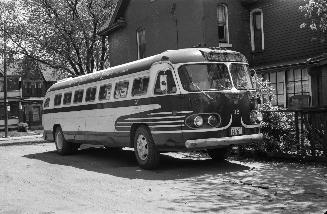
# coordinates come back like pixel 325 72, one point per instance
pixel 27 84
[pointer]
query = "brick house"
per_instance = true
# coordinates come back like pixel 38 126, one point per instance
pixel 267 31
pixel 140 28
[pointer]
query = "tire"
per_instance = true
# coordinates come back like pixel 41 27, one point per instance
pixel 145 150
pixel 219 154
pixel 63 147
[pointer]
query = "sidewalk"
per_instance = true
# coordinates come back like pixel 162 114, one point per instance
pixel 29 139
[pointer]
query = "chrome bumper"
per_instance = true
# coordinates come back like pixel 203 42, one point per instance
pixel 224 141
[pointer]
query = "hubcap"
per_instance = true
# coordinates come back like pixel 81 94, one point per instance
pixel 142 147
pixel 59 140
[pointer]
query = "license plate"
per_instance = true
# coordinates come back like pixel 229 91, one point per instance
pixel 236 131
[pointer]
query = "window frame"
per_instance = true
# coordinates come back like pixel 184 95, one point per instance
pixel 77 102
pixel 155 82
pixel 55 99
pixel 71 98
pixel 111 91
pixel 127 91
pixel 138 42
pixel 147 89
pixel 253 48
pixel 86 93
pixel 226 26
pixel 46 103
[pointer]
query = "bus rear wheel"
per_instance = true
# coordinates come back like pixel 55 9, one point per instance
pixel 145 150
pixel 219 154
pixel 63 147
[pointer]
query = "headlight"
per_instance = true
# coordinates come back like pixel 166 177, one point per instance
pixel 214 120
pixel 255 117
pixel 198 121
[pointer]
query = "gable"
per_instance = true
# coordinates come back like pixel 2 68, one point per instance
pixel 115 17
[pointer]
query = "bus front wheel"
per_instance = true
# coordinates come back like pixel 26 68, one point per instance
pixel 145 150
pixel 63 147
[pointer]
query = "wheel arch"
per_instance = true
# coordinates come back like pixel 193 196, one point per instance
pixel 55 126
pixel 134 127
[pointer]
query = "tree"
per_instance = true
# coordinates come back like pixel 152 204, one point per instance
pixel 315 12
pixel 59 33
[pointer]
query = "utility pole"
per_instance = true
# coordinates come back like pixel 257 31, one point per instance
pixel 5 81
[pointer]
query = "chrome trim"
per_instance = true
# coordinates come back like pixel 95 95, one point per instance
pixel 155 122
pixel 152 118
pixel 224 141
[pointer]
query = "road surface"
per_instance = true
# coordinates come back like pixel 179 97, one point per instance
pixel 34 179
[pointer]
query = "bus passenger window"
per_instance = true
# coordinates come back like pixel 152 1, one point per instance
pixel 46 103
pixel 90 94
pixel 67 98
pixel 165 83
pixel 140 86
pixel 105 92
pixel 121 89
pixel 57 99
pixel 78 96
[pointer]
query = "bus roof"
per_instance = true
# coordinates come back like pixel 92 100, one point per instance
pixel 173 56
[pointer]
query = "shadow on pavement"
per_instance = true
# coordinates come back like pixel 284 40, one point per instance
pixel 122 163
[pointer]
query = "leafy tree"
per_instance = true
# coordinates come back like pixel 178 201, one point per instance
pixel 315 12
pixel 59 33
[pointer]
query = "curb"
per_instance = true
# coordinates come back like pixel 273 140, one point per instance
pixel 21 138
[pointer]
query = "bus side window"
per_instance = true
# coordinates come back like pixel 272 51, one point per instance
pixel 140 86
pixel 67 98
pixel 57 99
pixel 78 96
pixel 46 103
pixel 165 83
pixel 90 94
pixel 105 92
pixel 121 89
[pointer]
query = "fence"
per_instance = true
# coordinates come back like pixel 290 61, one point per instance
pixel 295 133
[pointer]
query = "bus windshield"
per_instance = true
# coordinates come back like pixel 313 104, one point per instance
pixel 241 76
pixel 205 76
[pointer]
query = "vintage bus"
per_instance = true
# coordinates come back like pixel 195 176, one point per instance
pixel 179 100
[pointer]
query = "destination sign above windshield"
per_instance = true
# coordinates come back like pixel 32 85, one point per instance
pixel 224 56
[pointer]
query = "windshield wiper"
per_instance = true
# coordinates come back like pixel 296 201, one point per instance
pixel 207 95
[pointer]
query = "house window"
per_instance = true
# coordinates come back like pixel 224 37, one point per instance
pixel 222 19
pixel 297 82
pixel 256 27
pixel 277 80
pixel 140 38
